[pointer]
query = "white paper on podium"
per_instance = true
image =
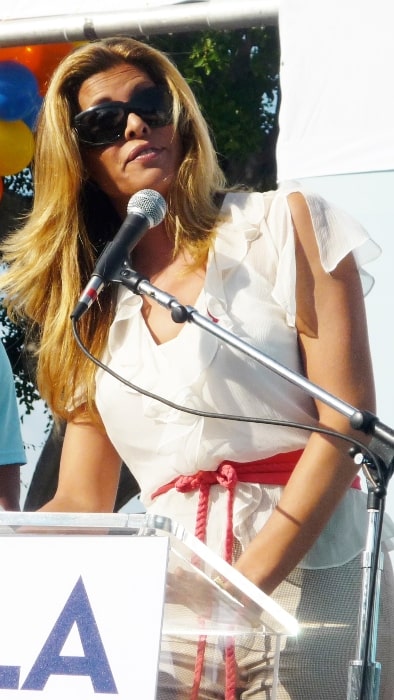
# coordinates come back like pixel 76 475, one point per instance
pixel 81 616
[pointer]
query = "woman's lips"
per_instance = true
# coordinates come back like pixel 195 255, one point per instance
pixel 141 153
pixel 147 152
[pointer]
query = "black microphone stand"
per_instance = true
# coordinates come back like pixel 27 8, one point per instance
pixel 364 670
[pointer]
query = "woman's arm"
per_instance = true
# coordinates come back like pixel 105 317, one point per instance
pixel 89 471
pixel 334 347
pixel 10 486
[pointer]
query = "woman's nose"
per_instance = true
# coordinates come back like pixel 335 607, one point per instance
pixel 135 126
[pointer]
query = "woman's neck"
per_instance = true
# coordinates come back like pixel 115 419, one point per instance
pixel 154 252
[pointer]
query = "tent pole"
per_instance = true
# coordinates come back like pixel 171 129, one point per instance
pixel 169 19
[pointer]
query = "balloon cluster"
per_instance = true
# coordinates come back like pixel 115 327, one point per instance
pixel 24 74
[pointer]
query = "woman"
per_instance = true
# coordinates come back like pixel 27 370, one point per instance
pixel 278 269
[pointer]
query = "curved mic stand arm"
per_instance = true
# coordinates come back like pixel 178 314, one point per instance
pixel 364 672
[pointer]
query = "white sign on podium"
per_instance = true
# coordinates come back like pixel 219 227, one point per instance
pixel 81 616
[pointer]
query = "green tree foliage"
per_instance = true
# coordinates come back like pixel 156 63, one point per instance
pixel 234 75
pixel 21 184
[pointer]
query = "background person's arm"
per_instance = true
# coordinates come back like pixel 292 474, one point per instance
pixel 10 486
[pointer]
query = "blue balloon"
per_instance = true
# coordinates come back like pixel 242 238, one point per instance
pixel 30 119
pixel 18 91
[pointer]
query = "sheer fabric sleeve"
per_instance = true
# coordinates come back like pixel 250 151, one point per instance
pixel 337 235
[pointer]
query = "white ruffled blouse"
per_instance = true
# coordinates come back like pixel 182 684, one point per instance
pixel 250 291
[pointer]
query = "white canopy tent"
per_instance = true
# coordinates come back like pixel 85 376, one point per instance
pixel 337 109
pixel 337 137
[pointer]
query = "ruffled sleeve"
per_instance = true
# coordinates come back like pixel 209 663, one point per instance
pixel 337 234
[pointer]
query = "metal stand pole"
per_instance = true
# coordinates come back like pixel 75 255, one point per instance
pixel 364 671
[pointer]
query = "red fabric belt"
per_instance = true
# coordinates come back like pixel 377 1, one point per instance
pixel 275 470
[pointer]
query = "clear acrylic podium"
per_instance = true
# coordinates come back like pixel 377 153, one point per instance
pixel 210 613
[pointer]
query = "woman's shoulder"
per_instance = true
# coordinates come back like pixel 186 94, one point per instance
pixel 246 197
pixel 249 205
pixel 262 202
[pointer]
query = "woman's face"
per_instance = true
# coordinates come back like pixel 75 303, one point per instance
pixel 144 156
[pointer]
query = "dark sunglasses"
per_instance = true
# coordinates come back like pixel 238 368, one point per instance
pixel 106 123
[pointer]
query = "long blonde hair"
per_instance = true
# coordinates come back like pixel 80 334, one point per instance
pixel 51 257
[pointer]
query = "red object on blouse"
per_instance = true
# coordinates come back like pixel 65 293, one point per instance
pixel 275 470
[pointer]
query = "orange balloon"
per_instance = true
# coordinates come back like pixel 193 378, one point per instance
pixel 52 54
pixel 41 59
pixel 29 56
pixel 16 147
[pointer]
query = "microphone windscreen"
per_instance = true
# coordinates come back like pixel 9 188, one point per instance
pixel 150 204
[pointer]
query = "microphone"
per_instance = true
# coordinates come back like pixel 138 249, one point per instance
pixel 146 209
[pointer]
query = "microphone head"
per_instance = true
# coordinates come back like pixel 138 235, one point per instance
pixel 150 204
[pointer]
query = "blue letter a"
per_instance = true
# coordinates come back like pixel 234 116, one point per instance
pixel 94 664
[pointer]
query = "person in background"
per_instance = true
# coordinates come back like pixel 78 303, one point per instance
pixel 279 269
pixel 12 454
